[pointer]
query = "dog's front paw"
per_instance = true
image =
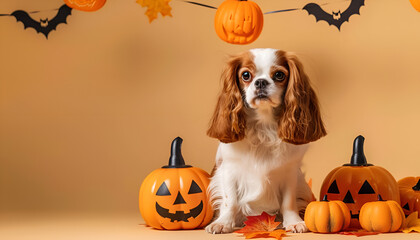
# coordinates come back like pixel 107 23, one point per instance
pixel 299 227
pixel 216 228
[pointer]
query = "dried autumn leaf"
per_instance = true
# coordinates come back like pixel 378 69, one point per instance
pixel 277 234
pixel 359 233
pixel 154 7
pixel 302 211
pixel 310 183
pixel 262 226
pixel 412 223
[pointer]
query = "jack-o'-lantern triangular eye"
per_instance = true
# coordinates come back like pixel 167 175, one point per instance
pixel 333 188
pixel 163 190
pixel 194 188
pixel 366 188
pixel 406 207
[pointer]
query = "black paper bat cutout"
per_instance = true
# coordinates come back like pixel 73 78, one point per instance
pixel 43 26
pixel 335 19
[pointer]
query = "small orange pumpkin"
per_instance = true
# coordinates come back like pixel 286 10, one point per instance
pixel 238 21
pixel 85 5
pixel 410 194
pixel 381 216
pixel 359 182
pixel 327 216
pixel 175 196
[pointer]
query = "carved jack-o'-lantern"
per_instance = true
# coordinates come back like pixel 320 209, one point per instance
pixel 85 5
pixel 175 196
pixel 238 21
pixel 359 182
pixel 410 194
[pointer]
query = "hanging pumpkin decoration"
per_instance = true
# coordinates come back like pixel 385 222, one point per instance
pixel 85 5
pixel 327 216
pixel 359 182
pixel 410 194
pixel 415 4
pixel 175 196
pixel 382 216
pixel 238 21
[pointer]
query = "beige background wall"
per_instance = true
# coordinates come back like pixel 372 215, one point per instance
pixel 87 114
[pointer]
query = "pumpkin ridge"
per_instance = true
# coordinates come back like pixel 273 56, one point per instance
pixel 398 215
pixel 392 217
pixel 345 214
pixel 370 219
pixel 310 216
pixel 320 212
pixel 330 216
pixel 313 220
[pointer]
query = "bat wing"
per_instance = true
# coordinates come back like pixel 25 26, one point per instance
pixel 320 14
pixel 354 8
pixel 61 17
pixel 22 16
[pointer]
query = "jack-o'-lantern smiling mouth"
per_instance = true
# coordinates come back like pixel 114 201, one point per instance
pixel 238 33
pixel 356 216
pixel 179 215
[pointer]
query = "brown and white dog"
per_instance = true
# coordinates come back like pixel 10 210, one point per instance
pixel 266 114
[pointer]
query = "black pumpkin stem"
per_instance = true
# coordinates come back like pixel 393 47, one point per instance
pixel 176 160
pixel 358 158
pixel 417 187
pixel 380 198
pixel 325 199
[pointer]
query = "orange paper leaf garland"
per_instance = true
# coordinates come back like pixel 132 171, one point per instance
pixel 262 226
pixel 154 7
pixel 412 223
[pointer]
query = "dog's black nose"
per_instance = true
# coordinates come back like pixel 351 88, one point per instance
pixel 261 83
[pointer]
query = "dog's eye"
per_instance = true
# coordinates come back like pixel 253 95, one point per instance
pixel 279 76
pixel 246 76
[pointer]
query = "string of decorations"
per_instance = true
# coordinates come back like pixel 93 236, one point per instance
pixel 45 26
pixel 236 21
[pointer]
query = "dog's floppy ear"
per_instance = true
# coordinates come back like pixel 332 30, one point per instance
pixel 228 121
pixel 300 121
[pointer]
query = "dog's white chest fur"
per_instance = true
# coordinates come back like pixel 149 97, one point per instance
pixel 258 167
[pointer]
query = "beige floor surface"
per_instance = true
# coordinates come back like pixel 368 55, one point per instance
pixel 43 226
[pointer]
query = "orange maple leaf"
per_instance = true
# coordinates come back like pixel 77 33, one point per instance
pixel 412 223
pixel 154 7
pixel 262 226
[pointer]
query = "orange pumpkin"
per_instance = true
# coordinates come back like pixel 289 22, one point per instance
pixel 410 194
pixel 382 216
pixel 359 182
pixel 238 21
pixel 175 196
pixel 415 4
pixel 327 216
pixel 85 5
